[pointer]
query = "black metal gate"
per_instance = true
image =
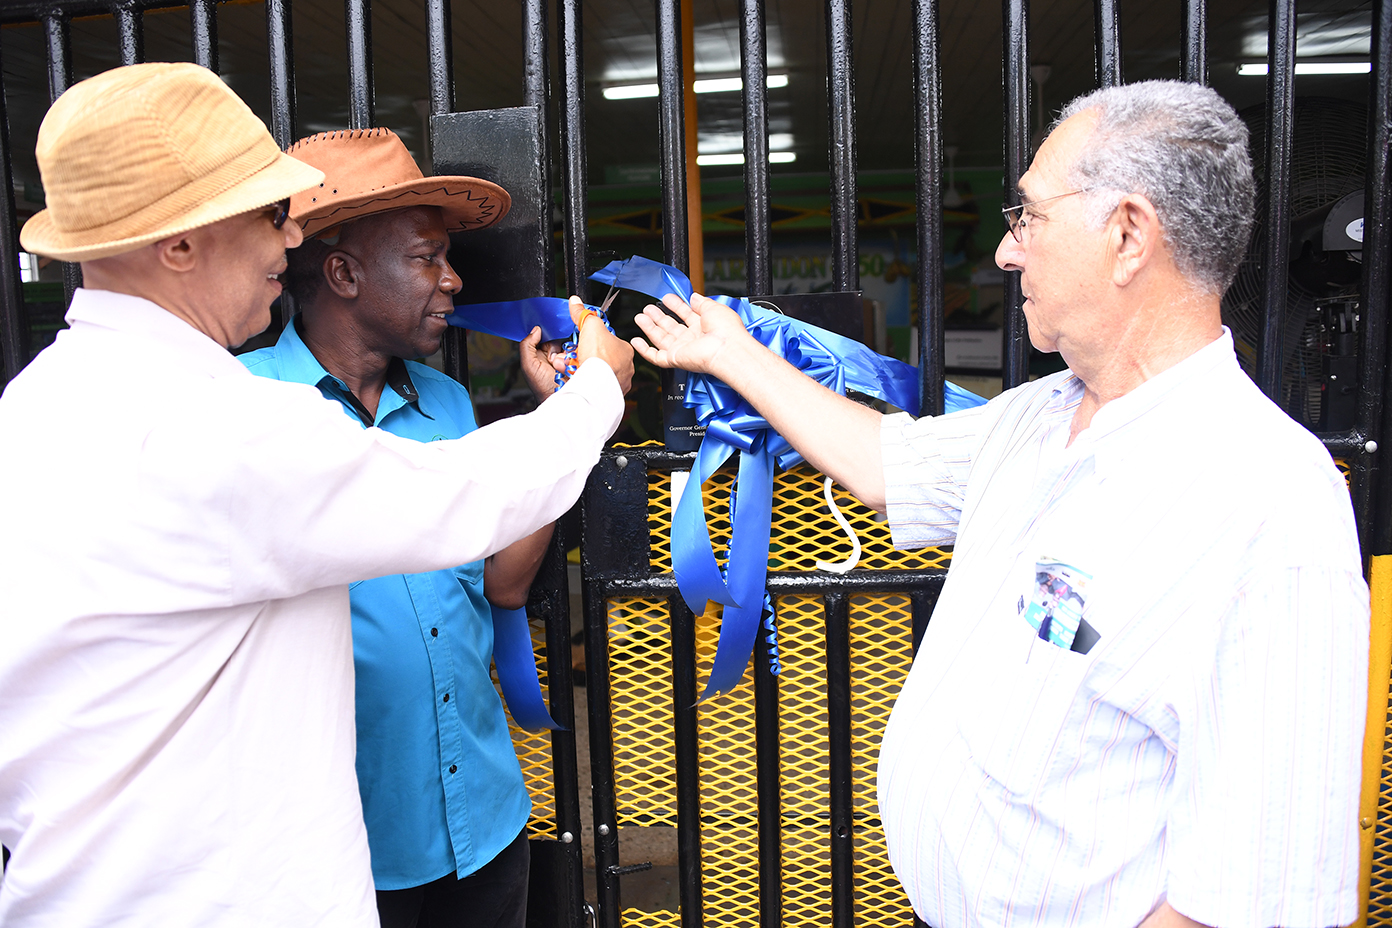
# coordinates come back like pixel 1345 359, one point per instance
pixel 873 614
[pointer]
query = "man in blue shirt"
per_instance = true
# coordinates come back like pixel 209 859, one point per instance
pixel 443 795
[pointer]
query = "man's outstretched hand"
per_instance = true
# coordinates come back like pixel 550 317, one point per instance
pixel 596 341
pixel 694 341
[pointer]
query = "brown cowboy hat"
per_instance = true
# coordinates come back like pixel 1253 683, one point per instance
pixel 369 171
pixel 140 153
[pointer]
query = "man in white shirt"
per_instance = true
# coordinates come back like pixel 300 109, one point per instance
pixel 176 674
pixel 1140 699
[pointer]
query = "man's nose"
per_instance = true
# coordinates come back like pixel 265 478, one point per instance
pixel 449 281
pixel 1010 254
pixel 294 235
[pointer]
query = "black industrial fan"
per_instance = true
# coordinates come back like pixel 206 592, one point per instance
pixel 1328 156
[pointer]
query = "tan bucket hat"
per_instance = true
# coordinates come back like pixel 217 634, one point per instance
pixel 143 152
pixel 370 171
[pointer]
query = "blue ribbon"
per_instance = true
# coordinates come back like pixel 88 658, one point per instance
pixel 841 364
pixel 514 319
pixel 517 671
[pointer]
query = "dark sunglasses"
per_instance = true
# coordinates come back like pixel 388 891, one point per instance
pixel 282 212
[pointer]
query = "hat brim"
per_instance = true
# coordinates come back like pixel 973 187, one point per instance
pixel 468 203
pixel 282 178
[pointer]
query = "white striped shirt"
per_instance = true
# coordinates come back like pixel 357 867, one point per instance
pixel 1206 750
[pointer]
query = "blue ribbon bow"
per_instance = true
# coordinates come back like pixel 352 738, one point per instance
pixel 841 364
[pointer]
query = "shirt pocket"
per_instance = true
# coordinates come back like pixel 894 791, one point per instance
pixel 470 574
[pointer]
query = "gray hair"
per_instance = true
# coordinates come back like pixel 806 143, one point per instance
pixel 1182 147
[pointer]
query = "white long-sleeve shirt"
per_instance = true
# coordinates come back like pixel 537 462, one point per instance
pixel 176 673
pixel 1206 749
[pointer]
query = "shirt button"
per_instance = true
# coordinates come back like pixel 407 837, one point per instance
pixel 453 768
pixel 434 633
pixel 447 697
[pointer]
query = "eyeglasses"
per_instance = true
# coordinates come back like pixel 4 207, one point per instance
pixel 282 213
pixel 1016 220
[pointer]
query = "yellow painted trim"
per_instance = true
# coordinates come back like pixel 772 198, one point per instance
pixel 1375 731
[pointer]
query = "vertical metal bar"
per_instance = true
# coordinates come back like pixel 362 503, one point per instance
pixel 59 77
pixel 1280 103
pixel 536 92
pixel 1375 526
pixel 280 50
pixel 130 29
pixel 685 735
pixel 439 50
pixel 203 23
pixel 358 20
pixel 281 56
pixel 1015 369
pixel 769 783
pixel 552 587
pixel 1107 36
pixel 671 133
pixel 758 257
pixel 1193 62
pixel 928 175
pixel 573 170
pixel 845 248
pixel 439 42
pixel 695 216
pixel 14 324
pixel 838 651
pixel 606 837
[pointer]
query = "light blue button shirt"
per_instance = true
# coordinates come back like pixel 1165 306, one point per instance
pixel 440 783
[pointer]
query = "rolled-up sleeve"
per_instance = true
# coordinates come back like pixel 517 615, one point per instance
pixel 926 465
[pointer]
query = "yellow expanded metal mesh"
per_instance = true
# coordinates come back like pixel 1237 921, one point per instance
pixel 640 665
pixel 534 753
pixel 803 530
pixel 1380 893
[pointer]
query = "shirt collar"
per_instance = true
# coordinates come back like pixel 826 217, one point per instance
pixel 133 315
pixel 299 363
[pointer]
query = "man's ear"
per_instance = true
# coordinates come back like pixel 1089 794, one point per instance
pixel 342 272
pixel 1136 237
pixel 179 253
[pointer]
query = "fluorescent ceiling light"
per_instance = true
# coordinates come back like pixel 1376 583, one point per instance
pixel 705 85
pixel 1259 69
pixel 775 157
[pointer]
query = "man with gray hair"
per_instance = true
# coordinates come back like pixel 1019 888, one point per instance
pixel 1141 696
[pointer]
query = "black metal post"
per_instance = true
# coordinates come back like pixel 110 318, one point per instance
pixel 1375 524
pixel 838 656
pixel 1107 36
pixel 358 23
pixel 536 92
pixel 130 29
pixel 928 196
pixel 59 77
pixel 1193 62
pixel 280 50
pixel 1280 104
pixel 845 248
pixel 552 588
pixel 1015 367
pixel 671 133
pixel 769 783
pixel 606 833
pixel 14 324
pixel 573 170
pixel 758 257
pixel 688 762
pixel 203 24
pixel 439 51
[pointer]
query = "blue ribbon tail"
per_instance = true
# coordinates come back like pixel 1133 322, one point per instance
pixel 517 671
pixel 693 561
pixel 739 626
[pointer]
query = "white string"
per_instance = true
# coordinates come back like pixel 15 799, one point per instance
pixel 854 559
